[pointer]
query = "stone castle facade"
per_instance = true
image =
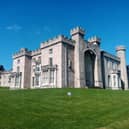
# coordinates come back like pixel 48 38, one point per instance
pixel 68 62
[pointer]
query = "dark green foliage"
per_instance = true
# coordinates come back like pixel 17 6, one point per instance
pixel 2 68
pixel 53 109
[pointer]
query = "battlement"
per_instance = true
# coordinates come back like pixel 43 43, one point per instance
pixel 22 52
pixel 78 30
pixel 94 39
pixel 36 52
pixel 55 40
pixel 120 48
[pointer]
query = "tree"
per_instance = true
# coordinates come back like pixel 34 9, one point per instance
pixel 2 68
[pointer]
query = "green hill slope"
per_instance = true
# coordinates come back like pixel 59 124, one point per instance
pixel 54 109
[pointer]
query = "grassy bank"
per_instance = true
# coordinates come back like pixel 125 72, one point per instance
pixel 53 109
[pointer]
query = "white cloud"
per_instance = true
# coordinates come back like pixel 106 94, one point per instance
pixel 14 27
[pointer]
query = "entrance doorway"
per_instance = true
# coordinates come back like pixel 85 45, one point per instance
pixel 89 59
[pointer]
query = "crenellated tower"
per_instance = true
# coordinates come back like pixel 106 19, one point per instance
pixel 94 44
pixel 21 69
pixel 78 36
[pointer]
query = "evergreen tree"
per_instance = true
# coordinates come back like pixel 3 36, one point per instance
pixel 2 68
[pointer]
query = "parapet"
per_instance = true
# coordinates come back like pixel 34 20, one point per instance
pixel 77 30
pixel 55 40
pixel 22 52
pixel 120 48
pixel 24 49
pixel 94 39
pixel 36 52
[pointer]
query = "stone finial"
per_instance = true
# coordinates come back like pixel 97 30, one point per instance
pixel 120 48
pixel 77 30
pixel 94 39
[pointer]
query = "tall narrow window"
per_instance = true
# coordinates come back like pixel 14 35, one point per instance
pixel 32 81
pixel 18 69
pixel 114 80
pixel 69 63
pixel 45 77
pixel 109 81
pixel 17 81
pixel 108 63
pixel 50 61
pixel 37 80
pixel 51 76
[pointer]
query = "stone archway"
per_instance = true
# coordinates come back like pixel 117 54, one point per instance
pixel 89 64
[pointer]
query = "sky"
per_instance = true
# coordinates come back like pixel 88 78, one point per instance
pixel 27 23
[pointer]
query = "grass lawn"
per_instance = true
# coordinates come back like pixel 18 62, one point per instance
pixel 53 109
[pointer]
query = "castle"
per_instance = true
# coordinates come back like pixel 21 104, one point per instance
pixel 68 62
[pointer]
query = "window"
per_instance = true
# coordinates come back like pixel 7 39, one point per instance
pixel 17 81
pixel 45 77
pixel 39 59
pixel 51 76
pixel 108 63
pixel 50 51
pixel 109 81
pixel 37 68
pixel 50 61
pixel 114 79
pixel 18 69
pixel 114 66
pixel 37 80
pixel 9 80
pixel 69 63
pixel 32 81
pixel 18 61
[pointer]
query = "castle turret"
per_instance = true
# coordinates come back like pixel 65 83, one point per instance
pixel 94 41
pixel 78 36
pixel 121 54
pixel 21 69
pixel 77 32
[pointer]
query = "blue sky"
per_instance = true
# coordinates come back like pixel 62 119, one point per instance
pixel 26 23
